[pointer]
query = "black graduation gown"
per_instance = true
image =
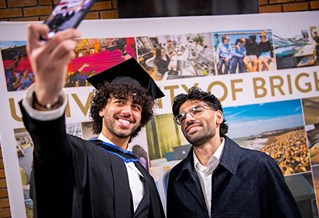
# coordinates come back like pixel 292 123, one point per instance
pixel 75 178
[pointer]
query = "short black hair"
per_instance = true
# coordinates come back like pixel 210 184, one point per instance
pixel 196 93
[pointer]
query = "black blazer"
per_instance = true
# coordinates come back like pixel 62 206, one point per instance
pixel 246 183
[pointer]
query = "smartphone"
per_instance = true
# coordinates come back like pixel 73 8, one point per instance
pixel 67 14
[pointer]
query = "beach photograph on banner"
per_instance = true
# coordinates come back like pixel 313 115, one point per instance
pixel 276 128
pixel 311 116
pixel 243 51
pixel 176 56
pixel 296 47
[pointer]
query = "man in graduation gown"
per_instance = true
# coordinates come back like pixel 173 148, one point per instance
pixel 73 177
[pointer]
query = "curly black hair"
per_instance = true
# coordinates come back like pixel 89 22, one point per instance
pixel 196 93
pixel 138 94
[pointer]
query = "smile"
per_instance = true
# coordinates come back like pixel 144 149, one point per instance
pixel 192 127
pixel 124 121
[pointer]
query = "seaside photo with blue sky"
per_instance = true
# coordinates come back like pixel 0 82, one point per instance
pixel 276 128
pixel 252 120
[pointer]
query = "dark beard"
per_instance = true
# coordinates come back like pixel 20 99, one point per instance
pixel 201 138
pixel 119 134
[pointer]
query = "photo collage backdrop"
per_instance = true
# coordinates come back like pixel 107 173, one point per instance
pixel 270 60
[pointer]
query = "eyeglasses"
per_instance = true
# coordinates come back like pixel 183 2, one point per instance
pixel 195 111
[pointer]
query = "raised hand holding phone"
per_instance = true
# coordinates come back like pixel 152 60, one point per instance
pixel 67 14
pixel 49 60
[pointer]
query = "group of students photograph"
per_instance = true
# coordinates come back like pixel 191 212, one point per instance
pixel 245 54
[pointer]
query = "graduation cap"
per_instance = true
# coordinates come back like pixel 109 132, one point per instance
pixel 127 72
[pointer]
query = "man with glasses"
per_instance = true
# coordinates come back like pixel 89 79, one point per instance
pixel 219 178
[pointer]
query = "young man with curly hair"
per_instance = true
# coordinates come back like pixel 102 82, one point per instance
pixel 78 178
pixel 219 178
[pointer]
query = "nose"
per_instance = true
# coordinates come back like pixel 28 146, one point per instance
pixel 127 110
pixel 188 118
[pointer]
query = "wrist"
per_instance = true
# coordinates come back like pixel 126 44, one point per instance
pixel 46 106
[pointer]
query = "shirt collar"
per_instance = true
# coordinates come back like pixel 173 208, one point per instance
pixel 213 161
pixel 104 139
pixel 230 157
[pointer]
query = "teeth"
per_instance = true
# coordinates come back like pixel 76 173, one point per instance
pixel 124 121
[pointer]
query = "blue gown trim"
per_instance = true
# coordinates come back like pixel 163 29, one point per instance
pixel 126 156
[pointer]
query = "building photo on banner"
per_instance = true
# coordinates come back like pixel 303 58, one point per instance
pixel 264 71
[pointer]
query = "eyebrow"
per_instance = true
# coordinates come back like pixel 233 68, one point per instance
pixel 202 104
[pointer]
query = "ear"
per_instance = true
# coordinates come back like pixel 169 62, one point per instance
pixel 219 117
pixel 101 113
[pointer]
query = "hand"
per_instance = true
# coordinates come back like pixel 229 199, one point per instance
pixel 49 60
pixel 86 65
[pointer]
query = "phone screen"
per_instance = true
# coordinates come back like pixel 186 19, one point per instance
pixel 67 14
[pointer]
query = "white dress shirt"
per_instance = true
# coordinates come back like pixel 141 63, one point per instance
pixel 205 174
pixel 135 183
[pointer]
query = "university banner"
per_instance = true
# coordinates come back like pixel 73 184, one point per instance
pixel 264 68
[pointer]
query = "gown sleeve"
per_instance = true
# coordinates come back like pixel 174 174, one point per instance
pixel 53 178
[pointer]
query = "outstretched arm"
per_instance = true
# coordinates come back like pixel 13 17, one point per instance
pixel 53 176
